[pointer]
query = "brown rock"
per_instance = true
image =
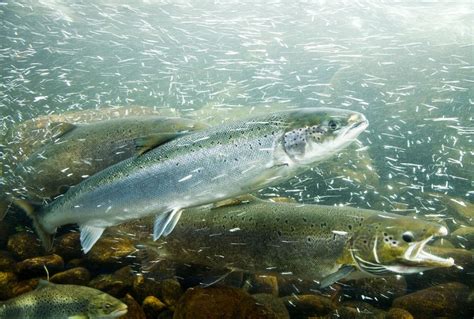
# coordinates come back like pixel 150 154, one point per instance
pixel 7 281
pixel 143 287
pixel 24 286
pixel 308 305
pixel 110 253
pixel 170 292
pixel 463 237
pixel 273 303
pixel 357 310
pixel 36 266
pixel 76 262
pixel 379 291
pixel 266 284
pixel 74 276
pixel 153 306
pixel 134 309
pixel 166 314
pixel 447 300
pixel 68 246
pixel 24 245
pixel 219 302
pixel 7 262
pixel 110 284
pixel 398 313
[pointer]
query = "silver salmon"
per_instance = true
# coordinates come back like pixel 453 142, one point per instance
pixel 210 165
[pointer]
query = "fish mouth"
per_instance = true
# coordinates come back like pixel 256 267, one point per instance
pixel 416 256
pixel 122 310
pixel 360 124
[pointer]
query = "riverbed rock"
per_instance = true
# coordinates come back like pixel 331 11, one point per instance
pixel 24 245
pixel 447 300
pixel 379 291
pixel 74 276
pixel 110 284
pixel 463 237
pixel 7 281
pixel 219 302
pixel 266 284
pixel 153 306
pixel 68 246
pixel 273 303
pixel 7 262
pixel 170 292
pixel 357 310
pixel 135 311
pixel 398 313
pixel 308 305
pixel 144 287
pixel 110 254
pixel 35 266
pixel 25 286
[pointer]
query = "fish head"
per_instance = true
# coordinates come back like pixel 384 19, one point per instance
pixel 391 244
pixel 104 306
pixel 315 134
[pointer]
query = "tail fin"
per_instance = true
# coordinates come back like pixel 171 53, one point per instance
pixel 32 212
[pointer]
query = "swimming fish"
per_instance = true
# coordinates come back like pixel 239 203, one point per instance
pixel 315 242
pixel 62 302
pixel 199 168
pixel 79 151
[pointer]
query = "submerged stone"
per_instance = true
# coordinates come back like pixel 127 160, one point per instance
pixel 74 276
pixel 40 266
pixel 153 306
pixel 24 245
pixel 308 305
pixel 447 300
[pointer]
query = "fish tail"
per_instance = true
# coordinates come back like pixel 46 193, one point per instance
pixel 32 212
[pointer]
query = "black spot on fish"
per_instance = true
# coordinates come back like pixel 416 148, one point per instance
pixel 308 239
pixel 305 220
pixel 279 233
pixel 349 226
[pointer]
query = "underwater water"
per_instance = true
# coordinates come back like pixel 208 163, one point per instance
pixel 407 66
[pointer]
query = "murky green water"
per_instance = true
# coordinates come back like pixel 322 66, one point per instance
pixel 407 66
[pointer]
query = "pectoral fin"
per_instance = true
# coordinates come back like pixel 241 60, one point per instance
pixel 165 223
pixel 342 272
pixel 89 236
pixel 79 316
pixel 146 143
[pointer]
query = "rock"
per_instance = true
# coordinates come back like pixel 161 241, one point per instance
pixel 379 291
pixel 153 306
pixel 273 303
pixel 463 237
pixel 308 305
pixel 76 262
pixel 134 309
pixel 36 266
pixel 117 284
pixel 25 286
pixel 219 302
pixel 144 287
pixel 24 245
pixel 398 313
pixel 110 254
pixel 447 300
pixel 68 246
pixel 7 262
pixel 170 292
pixel 357 310
pixel 7 281
pixel 74 276
pixel 266 284
pixel 166 314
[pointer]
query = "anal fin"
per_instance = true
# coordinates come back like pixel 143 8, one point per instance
pixel 342 272
pixel 89 236
pixel 165 223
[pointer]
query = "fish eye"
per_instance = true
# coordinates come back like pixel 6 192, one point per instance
pixel 107 306
pixel 333 125
pixel 408 236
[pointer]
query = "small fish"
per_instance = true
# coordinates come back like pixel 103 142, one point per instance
pixel 62 302
pixel 79 151
pixel 315 242
pixel 200 168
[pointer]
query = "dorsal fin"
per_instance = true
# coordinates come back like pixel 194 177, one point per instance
pixel 247 198
pixel 60 128
pixel 146 143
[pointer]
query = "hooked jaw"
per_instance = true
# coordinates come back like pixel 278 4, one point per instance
pixel 416 257
pixel 358 124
